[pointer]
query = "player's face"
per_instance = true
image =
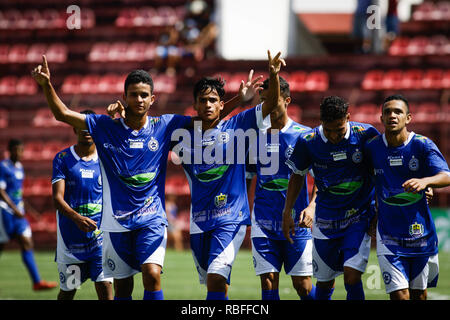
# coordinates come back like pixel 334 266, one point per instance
pixel 16 153
pixel 281 110
pixel 208 105
pixel 138 99
pixel 395 116
pixel 84 137
pixel 335 130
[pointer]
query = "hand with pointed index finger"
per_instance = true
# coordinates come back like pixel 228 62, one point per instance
pixel 249 89
pixel 41 74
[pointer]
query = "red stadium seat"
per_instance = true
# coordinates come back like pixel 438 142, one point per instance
pixel 165 84
pixel 235 81
pixel 26 85
pixel 89 84
pixel 118 51
pixel 18 53
pixel 392 80
pixel 399 46
pixel 3 118
pixel 57 53
pixel 35 53
pixel 446 80
pixel 99 52
pixel 412 79
pixel 72 84
pixel 4 51
pixel 367 113
pixel 52 19
pixel 126 18
pixel 166 16
pixel 136 51
pixel 87 18
pixel 8 85
pixel 432 79
pixel 32 151
pixel 297 81
pixel 45 118
pixel 417 46
pixel 316 81
pixel 427 113
pixel 30 19
pixel 109 84
pixel 145 17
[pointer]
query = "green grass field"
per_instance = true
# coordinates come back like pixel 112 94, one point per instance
pixel 180 280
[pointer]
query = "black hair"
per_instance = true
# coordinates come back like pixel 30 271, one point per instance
pixel 333 108
pixel 396 97
pixel 138 76
pixel 210 83
pixel 284 87
pixel 14 143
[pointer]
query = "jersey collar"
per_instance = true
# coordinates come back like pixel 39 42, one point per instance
pixel 122 120
pixel 77 157
pixel 411 135
pixel 322 135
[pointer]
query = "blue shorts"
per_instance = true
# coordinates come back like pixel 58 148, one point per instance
pixel 125 252
pixel 12 226
pixel 72 275
pixel 330 256
pixel 270 255
pixel 214 251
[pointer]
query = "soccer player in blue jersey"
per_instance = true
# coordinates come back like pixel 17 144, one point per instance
pixel 213 157
pixel 133 155
pixel 270 248
pixel 345 197
pixel 405 164
pixel 13 223
pixel 77 195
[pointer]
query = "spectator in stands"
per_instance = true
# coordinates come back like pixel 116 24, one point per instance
pixel 361 33
pixel 167 51
pixel 392 23
pixel 174 232
pixel 13 223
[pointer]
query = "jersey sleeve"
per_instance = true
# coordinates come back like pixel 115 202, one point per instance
pixel 95 122
pixel 58 168
pixel 434 159
pixel 2 176
pixel 176 121
pixel 299 161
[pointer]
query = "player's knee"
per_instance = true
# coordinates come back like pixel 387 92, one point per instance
pixel 418 294
pixel 400 295
pixel 302 285
pixel 66 295
pixel 269 281
pixel 351 276
pixel 216 282
pixel 151 276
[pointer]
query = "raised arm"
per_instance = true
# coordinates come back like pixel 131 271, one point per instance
pixel 83 223
pixel 274 83
pixel 296 182
pixel 41 75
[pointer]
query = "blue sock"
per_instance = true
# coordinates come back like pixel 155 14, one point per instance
pixel 28 260
pixel 311 295
pixel 123 299
pixel 270 294
pixel 211 295
pixel 323 294
pixel 355 291
pixel 153 295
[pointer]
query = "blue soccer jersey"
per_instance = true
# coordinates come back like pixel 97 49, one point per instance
pixel 270 192
pixel 133 167
pixel 344 186
pixel 405 225
pixel 11 180
pixel 214 165
pixel 83 193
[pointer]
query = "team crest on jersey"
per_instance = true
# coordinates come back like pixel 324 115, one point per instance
pixel 416 230
pixel 153 144
pixel 223 137
pixel 387 278
pixel 288 152
pixel 413 164
pixel 221 200
pixel 357 156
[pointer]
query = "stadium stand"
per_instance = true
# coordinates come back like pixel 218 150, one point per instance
pixel 89 67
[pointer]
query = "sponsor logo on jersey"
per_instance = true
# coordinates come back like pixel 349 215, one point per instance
pixel 87 173
pixel 221 200
pixel 280 184
pixel 339 155
pixel 212 174
pixel 138 180
pixel 345 188
pixel 403 199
